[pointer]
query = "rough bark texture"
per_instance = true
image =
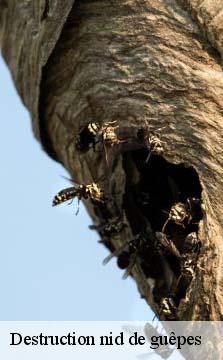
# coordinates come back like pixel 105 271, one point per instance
pixel 153 65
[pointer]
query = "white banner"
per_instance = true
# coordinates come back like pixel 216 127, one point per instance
pixel 30 340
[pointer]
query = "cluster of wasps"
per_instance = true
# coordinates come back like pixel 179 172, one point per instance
pixel 159 244
pixel 188 260
pixel 181 214
pixel 108 136
pixel 89 137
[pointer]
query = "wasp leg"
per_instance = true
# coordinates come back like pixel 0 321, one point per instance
pixel 149 156
pixel 106 154
pixel 78 206
pixel 165 224
pixel 151 150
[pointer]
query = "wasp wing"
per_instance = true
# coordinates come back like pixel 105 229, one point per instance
pixel 114 253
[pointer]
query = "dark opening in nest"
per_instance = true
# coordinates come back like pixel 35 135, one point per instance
pixel 166 198
pixel 161 185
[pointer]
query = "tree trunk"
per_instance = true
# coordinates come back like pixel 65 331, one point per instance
pixel 150 72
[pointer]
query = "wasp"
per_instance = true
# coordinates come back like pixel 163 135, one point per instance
pixel 109 134
pixel 183 213
pixel 126 255
pixel 87 137
pixel 192 244
pixel 178 214
pixel 131 250
pixel 168 308
pixel 145 241
pixel 91 191
pixel 108 137
pixel 151 141
pixel 112 228
pixel 154 144
pixel 165 246
pixel 163 351
pixel 190 253
pixel 151 332
pixel 93 134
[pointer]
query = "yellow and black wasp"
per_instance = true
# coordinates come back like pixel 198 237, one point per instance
pixel 184 213
pixel 151 141
pixel 93 134
pixel 91 191
pixel 87 137
pixel 168 308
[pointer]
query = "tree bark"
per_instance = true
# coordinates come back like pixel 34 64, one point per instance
pixel 154 67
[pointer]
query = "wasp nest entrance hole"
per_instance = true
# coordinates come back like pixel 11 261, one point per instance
pixel 165 198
